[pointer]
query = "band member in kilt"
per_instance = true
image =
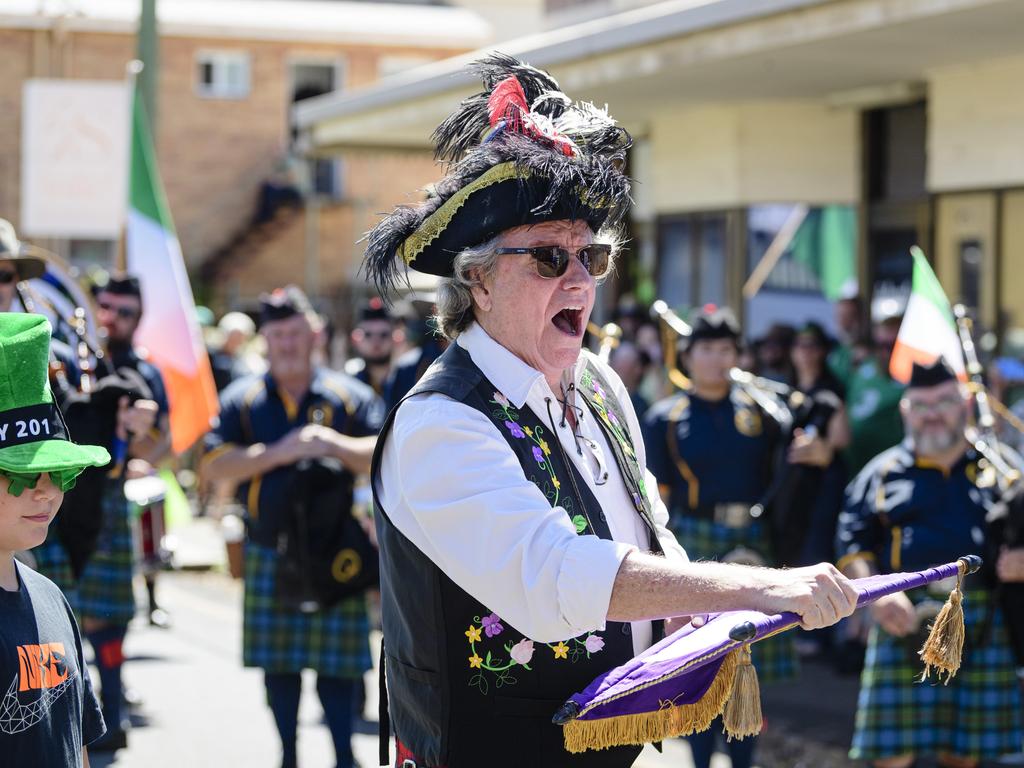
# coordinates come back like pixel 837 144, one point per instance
pixel 524 549
pixel 714 449
pixel 269 424
pixel 119 312
pixel 912 507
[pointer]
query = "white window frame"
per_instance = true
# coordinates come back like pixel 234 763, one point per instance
pixel 221 60
pixel 340 66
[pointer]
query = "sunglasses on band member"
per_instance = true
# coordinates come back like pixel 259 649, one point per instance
pixel 125 313
pixel 7 277
pixel 553 260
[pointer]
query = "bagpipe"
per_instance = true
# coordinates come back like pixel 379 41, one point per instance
pixel 1006 519
pixel 683 683
pixel 325 554
pixel 787 504
pixel 88 390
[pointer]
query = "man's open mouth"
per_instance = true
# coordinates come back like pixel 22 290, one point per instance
pixel 569 320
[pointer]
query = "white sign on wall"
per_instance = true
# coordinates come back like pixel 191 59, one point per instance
pixel 75 155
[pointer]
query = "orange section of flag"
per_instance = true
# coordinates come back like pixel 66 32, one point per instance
pixel 903 358
pixel 193 401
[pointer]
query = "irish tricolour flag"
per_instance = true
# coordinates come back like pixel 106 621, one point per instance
pixel 169 330
pixel 928 330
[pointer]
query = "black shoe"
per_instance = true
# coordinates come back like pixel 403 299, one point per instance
pixel 111 741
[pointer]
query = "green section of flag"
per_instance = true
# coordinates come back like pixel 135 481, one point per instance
pixel 927 286
pixel 146 192
pixel 826 244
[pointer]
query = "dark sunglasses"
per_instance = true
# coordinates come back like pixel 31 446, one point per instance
pixel 376 334
pixel 125 313
pixel 553 260
pixel 7 277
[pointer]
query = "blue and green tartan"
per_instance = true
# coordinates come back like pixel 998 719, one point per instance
pixel 104 590
pixel 978 714
pixel 775 658
pixel 334 642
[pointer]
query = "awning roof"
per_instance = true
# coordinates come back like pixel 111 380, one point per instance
pixel 367 23
pixel 692 51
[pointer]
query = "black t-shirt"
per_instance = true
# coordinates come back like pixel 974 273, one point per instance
pixel 48 709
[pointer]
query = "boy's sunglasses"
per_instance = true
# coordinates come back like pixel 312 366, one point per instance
pixel 553 260
pixel 7 277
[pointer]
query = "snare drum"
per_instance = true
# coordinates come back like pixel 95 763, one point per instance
pixel 146 499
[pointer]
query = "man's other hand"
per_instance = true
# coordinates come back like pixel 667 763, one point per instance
pixel 895 614
pixel 136 418
pixel 1010 565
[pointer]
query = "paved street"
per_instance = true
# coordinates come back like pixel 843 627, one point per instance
pixel 201 709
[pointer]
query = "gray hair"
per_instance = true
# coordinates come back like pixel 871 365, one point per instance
pixel 470 268
pixel 455 293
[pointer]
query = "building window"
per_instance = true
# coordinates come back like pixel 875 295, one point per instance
pixel 692 259
pixel 222 74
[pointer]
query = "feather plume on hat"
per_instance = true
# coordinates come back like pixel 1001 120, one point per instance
pixel 519 152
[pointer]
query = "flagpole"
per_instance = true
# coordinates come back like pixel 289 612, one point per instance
pixel 775 250
pixel 132 70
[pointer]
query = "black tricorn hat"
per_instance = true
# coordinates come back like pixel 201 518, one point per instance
pixel 519 152
pixel 932 375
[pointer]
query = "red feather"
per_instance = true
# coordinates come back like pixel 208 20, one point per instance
pixel 508 102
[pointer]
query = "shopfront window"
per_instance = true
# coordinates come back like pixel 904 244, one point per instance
pixel 692 260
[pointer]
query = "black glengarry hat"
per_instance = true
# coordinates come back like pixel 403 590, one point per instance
pixel 709 325
pixel 939 372
pixel 519 152
pixel 282 303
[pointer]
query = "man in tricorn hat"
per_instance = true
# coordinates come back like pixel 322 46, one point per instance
pixel 524 549
pixel 270 423
pixel 923 502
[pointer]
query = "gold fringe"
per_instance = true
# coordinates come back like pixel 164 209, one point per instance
pixel 742 713
pixel 944 647
pixel 667 722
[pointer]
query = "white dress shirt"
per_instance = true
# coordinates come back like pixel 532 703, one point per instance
pixel 452 485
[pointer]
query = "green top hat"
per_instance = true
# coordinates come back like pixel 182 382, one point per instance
pixel 33 436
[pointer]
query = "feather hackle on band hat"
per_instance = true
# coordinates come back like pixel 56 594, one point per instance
pixel 519 152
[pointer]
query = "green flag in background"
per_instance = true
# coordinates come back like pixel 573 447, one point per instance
pixel 826 243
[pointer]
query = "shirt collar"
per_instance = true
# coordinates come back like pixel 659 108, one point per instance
pixel 513 377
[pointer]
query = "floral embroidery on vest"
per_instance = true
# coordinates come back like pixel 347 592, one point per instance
pixel 605 409
pixel 520 654
pixel 550 486
pixel 504 657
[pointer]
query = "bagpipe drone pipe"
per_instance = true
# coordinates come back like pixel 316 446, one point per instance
pixel 681 684
pixel 87 390
pixel 1006 531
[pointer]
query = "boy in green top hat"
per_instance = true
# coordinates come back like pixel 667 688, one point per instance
pixel 48 711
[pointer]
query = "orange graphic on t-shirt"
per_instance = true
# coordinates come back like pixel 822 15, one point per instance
pixel 41 666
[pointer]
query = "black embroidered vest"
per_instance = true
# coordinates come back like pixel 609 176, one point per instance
pixel 464 687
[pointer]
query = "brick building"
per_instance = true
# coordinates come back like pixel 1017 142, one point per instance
pixel 229 73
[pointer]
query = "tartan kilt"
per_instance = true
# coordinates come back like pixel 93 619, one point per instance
pixel 335 642
pixel 104 590
pixel 978 714
pixel 775 658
